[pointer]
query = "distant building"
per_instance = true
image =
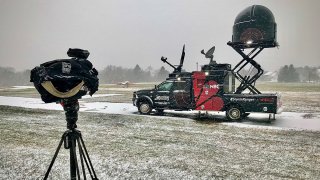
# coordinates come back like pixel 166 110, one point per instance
pixel 269 76
pixel 124 84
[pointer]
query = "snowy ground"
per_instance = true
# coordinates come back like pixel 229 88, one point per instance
pixel 150 147
pixel 125 145
pixel 309 121
pixel 102 107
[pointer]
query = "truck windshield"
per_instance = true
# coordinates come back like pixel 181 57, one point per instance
pixel 165 86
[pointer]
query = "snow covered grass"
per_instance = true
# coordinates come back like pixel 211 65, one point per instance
pixel 129 146
pixel 308 102
pixel 150 147
pixel 123 94
pixel 126 93
pixel 22 91
pixel 288 87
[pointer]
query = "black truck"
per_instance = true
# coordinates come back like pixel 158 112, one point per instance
pixel 213 88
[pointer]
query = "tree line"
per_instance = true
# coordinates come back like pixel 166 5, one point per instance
pixel 110 74
pixel 9 77
pixel 115 74
pixel 289 73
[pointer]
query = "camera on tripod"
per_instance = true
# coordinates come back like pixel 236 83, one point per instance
pixel 65 81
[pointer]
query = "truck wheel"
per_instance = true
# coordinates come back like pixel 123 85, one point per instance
pixel 144 107
pixel 234 113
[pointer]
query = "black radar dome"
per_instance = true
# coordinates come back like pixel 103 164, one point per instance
pixel 255 26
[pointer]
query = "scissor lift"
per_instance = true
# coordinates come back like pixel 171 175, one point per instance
pixel 247 81
pixel 254 28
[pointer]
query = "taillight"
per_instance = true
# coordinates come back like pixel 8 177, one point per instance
pixel 266 100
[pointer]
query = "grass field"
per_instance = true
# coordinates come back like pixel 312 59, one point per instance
pixel 161 147
pixel 144 147
pixel 288 87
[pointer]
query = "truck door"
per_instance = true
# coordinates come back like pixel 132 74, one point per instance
pixel 181 95
pixel 162 95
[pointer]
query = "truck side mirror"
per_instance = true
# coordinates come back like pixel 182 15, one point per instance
pixel 155 87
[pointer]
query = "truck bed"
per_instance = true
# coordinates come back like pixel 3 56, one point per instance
pixel 265 103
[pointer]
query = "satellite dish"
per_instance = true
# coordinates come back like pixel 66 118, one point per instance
pixel 209 53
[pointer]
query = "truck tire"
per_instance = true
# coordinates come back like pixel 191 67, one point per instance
pixel 234 113
pixel 144 107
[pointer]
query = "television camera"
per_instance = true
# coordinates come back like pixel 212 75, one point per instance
pixel 65 81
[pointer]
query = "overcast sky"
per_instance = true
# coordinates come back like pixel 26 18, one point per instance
pixel 130 32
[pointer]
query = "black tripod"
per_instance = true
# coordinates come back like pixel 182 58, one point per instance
pixel 70 138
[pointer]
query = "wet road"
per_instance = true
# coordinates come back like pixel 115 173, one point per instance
pixel 289 120
pixel 308 121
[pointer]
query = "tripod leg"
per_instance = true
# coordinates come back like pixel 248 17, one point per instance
pixel 74 169
pixel 87 163
pixel 86 155
pixel 81 158
pixel 55 156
